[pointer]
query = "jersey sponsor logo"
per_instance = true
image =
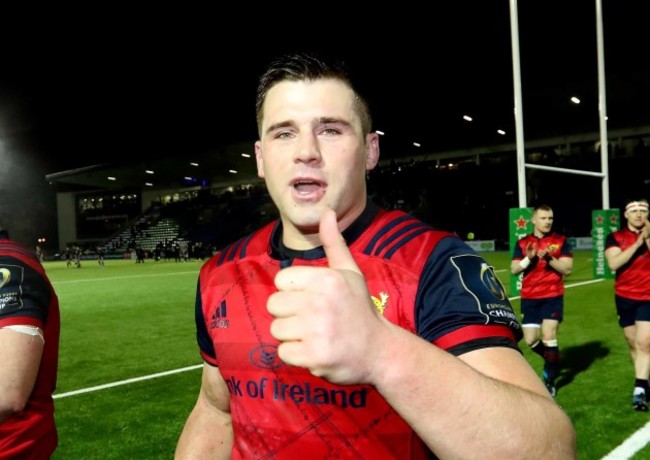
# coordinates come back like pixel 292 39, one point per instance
pixel 297 393
pixel 381 302
pixel 10 294
pixel 265 357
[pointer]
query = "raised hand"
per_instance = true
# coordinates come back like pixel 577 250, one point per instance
pixel 324 316
pixel 530 250
pixel 542 253
pixel 646 230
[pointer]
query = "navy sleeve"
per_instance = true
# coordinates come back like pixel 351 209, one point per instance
pixel 517 254
pixel 610 241
pixel 566 249
pixel 202 336
pixel 459 288
pixel 23 291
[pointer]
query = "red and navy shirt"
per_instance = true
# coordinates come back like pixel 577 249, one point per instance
pixel 428 282
pixel 27 298
pixel 540 280
pixel 633 278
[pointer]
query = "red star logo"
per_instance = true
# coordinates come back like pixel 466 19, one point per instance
pixel 520 223
pixel 599 219
pixel 613 218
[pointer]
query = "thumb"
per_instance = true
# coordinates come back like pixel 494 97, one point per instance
pixel 336 250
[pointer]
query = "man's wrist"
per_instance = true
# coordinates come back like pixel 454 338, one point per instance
pixel 524 263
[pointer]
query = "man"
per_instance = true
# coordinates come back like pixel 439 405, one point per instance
pixel 343 330
pixel 29 347
pixel 101 255
pixel 627 252
pixel 545 258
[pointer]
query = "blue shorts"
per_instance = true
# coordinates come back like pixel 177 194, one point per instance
pixel 536 310
pixel 630 311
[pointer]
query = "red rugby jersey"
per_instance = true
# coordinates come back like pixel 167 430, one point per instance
pixel 633 278
pixel 429 282
pixel 27 298
pixel 540 280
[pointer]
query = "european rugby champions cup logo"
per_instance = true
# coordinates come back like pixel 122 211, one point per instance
pixel 10 293
pixel 5 277
pixel 492 282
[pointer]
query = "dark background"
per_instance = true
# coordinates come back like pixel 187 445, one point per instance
pixel 95 84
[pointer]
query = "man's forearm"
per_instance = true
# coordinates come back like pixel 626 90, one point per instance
pixel 454 407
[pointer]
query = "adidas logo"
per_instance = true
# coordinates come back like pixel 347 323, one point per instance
pixel 218 319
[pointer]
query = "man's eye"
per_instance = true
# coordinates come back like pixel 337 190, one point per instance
pixel 330 131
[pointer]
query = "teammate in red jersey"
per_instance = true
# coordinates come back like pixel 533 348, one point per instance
pixel 29 347
pixel 628 253
pixel 343 330
pixel 545 257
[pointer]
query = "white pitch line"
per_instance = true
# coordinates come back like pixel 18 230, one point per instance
pixel 113 278
pixel 631 445
pixel 125 382
pixel 567 286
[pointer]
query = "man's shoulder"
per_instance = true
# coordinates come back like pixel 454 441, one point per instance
pixel 396 232
pixel 253 244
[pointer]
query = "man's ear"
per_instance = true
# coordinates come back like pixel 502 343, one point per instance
pixel 372 151
pixel 259 160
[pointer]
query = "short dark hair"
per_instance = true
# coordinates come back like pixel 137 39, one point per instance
pixel 308 66
pixel 542 207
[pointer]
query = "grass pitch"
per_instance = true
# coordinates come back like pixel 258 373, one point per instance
pixel 129 365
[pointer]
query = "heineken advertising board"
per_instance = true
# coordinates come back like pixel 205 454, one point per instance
pixel 603 222
pixel 520 226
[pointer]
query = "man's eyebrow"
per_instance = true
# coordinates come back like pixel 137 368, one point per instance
pixel 282 124
pixel 326 120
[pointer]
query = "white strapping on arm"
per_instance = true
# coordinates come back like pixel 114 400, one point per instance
pixel 524 263
pixel 29 330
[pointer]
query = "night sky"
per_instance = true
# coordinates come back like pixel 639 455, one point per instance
pixel 83 87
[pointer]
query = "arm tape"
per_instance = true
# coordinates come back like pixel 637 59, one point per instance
pixel 29 330
pixel 524 263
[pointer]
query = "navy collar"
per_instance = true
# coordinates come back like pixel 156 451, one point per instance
pixel 281 252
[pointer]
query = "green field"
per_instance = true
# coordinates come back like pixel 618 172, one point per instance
pixel 129 375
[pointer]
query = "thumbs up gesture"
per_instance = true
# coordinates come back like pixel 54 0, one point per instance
pixel 324 316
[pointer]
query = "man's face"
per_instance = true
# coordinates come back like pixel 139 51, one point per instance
pixel 543 221
pixel 313 154
pixel 636 217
